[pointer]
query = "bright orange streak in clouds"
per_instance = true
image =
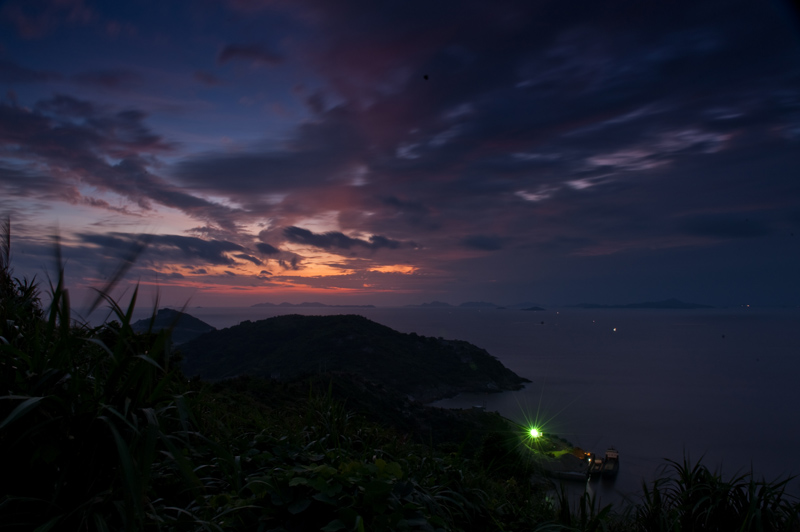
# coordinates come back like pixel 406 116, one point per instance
pixel 395 268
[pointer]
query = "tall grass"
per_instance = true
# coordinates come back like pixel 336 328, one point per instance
pixel 690 497
pixel 88 415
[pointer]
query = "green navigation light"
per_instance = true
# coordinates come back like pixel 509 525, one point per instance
pixel 535 433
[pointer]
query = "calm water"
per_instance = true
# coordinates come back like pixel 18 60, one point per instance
pixel 653 383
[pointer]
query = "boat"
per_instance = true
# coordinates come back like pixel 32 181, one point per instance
pixel 595 466
pixel 610 466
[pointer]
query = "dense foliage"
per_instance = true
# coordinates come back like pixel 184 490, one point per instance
pixel 100 431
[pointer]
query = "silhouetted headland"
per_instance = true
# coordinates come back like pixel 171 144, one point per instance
pixel 292 346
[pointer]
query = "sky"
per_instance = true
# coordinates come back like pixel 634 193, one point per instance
pixel 391 153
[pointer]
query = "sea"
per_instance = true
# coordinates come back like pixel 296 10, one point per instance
pixel 718 384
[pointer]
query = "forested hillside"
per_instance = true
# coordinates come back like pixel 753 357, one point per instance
pixel 288 347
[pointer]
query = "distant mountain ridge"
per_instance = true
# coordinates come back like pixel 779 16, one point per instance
pixel 311 304
pixel 431 304
pixel 184 326
pixel 468 304
pixel 666 304
pixel 292 346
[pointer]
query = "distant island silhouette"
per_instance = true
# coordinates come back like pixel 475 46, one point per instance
pixel 467 304
pixel 666 304
pixel 309 304
pixel 183 327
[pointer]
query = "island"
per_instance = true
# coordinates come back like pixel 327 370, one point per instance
pixel 183 327
pixel 292 347
pixel 309 304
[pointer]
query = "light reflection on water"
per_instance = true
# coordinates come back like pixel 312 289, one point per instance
pixel 722 384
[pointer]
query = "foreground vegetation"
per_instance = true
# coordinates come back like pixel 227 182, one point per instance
pixel 99 430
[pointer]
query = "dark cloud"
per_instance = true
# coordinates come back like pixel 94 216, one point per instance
pixel 291 264
pixel 11 72
pixel 332 240
pixel 167 247
pixel 378 242
pixel 396 211
pixel 27 183
pixel 248 52
pixel 250 258
pixel 483 242
pixel 266 249
pixel 77 140
pixel 725 227
pixel 103 204
pixel 405 206
pixel 212 252
pixel 51 131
